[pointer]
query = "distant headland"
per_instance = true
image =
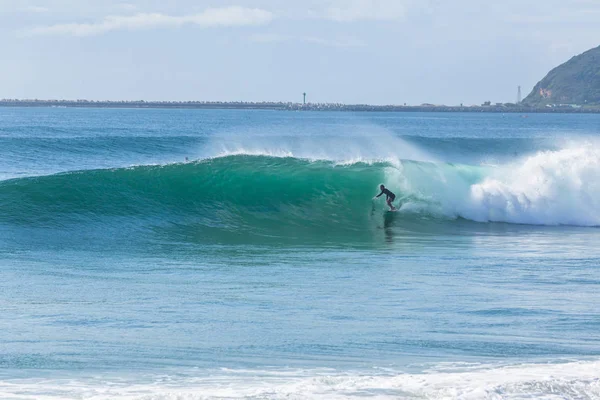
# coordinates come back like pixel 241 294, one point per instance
pixel 575 83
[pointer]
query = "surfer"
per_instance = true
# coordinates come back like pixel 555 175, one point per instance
pixel 389 197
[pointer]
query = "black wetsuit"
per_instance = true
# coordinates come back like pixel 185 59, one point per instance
pixel 389 195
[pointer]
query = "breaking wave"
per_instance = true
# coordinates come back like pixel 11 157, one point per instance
pixel 287 196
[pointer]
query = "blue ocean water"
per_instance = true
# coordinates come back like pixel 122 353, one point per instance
pixel 192 254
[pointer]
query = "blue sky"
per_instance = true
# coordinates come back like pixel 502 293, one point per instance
pixel 349 51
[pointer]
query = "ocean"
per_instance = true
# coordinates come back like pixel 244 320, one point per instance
pixel 229 254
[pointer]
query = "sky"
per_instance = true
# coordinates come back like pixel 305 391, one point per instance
pixel 337 51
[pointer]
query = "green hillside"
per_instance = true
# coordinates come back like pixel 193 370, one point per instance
pixel 575 82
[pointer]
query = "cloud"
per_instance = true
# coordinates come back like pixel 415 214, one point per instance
pixel 579 16
pixel 36 9
pixel 354 10
pixel 127 6
pixel 339 42
pixel 212 17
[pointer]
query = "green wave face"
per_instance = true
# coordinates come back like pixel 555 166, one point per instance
pixel 239 195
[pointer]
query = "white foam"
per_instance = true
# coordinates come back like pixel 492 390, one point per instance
pixel 547 188
pixel 567 380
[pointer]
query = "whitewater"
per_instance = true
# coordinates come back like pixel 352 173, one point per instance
pixel 158 254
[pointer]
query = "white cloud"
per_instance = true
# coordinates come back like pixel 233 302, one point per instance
pixel 338 42
pixel 558 16
pixel 127 6
pixel 212 17
pixel 37 9
pixel 354 10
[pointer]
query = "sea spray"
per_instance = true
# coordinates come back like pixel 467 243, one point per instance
pixel 363 143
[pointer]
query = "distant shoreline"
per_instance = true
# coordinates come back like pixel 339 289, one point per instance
pixel 498 108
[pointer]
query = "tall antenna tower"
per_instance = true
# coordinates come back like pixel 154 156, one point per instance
pixel 518 94
pixel 304 98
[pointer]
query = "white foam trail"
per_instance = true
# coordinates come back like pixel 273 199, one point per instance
pixel 572 380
